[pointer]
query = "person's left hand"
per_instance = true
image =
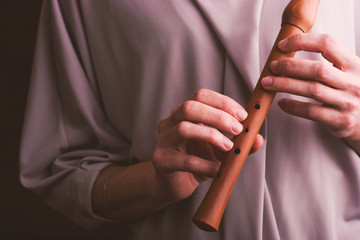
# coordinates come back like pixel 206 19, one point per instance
pixel 336 87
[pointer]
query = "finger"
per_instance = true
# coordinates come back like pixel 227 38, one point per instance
pixel 164 124
pixel 259 141
pixel 176 161
pixel 309 89
pixel 311 70
pixel 198 112
pixel 220 101
pixel 322 114
pixel 185 131
pixel 325 44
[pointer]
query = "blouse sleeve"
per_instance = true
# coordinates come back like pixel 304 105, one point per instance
pixel 67 138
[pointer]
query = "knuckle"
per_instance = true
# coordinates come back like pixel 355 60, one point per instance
pixel 159 161
pixel 161 125
pixel 223 102
pixel 349 104
pixel 158 154
pixel 187 108
pixel 189 163
pixel 200 94
pixel 175 112
pixel 297 39
pixel 282 84
pixel 222 119
pixel 213 135
pixel 316 90
pixel 356 95
pixel 338 131
pixel 311 111
pixel 328 42
pixel 182 128
pixel 354 89
pixel 322 71
pixel 348 121
pixel 286 64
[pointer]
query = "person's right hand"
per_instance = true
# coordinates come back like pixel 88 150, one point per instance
pixel 190 143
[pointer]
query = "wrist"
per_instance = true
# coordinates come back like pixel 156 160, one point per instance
pixel 122 193
pixel 163 189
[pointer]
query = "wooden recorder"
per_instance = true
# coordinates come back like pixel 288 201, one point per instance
pixel 298 17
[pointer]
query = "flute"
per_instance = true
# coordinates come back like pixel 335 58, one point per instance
pixel 298 17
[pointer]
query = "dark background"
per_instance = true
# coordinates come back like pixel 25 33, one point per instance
pixel 22 214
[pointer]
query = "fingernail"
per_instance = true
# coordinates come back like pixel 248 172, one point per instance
pixel 228 143
pixel 241 114
pixel 282 44
pixel 267 81
pixel 237 128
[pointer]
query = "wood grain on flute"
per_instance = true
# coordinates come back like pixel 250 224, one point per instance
pixel 298 17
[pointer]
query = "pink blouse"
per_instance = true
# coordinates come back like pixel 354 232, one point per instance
pixel 106 72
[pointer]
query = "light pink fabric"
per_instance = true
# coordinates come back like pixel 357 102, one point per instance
pixel 106 72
